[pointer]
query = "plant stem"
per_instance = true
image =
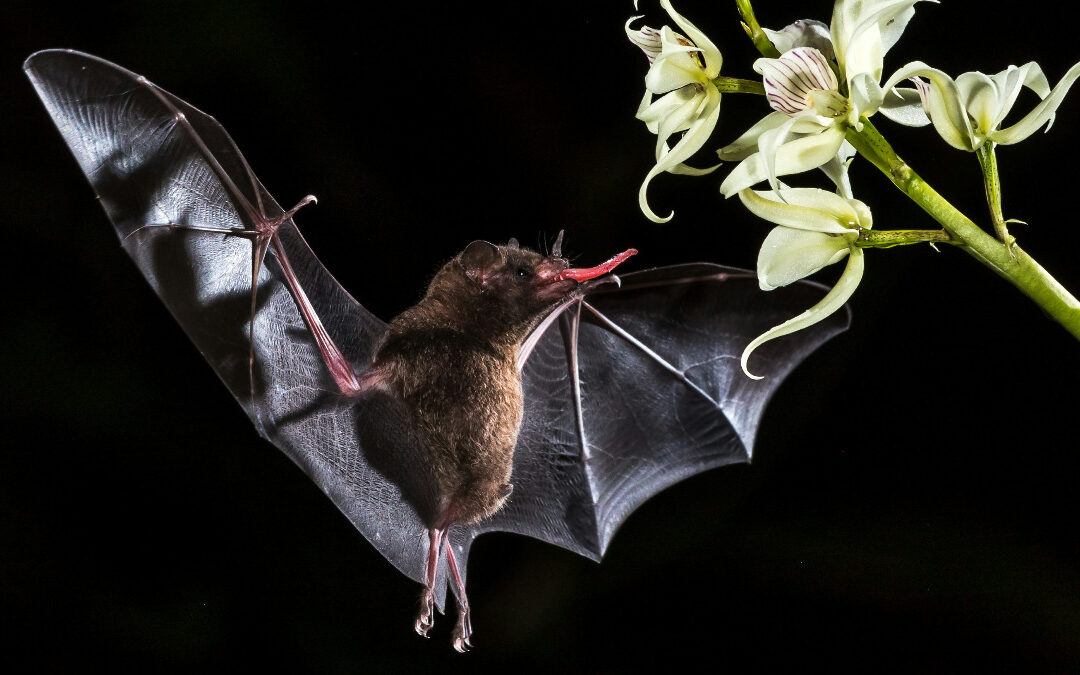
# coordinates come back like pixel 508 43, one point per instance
pixel 736 85
pixel 750 24
pixel 1011 263
pixel 890 238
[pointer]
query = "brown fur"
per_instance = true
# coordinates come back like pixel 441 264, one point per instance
pixel 451 359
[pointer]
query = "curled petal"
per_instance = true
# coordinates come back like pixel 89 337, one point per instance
pixel 807 209
pixel 943 104
pixel 648 39
pixel 1042 114
pixel 836 169
pixel 652 113
pixel 711 54
pixel 698 132
pixel 675 66
pixel 680 118
pixel 828 305
pixel 1009 83
pixel 788 255
pixel 795 156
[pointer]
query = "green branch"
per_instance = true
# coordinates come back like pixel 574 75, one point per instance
pixel 1011 263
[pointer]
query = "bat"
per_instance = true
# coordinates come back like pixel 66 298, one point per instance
pixel 601 393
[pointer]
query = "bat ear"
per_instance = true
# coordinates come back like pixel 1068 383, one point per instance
pixel 513 243
pixel 479 258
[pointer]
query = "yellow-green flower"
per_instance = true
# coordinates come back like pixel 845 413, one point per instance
pixel 969 110
pixel 815 228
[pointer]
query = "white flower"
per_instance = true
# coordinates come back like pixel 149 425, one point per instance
pixel 816 228
pixel 969 110
pixel 681 75
pixel 806 85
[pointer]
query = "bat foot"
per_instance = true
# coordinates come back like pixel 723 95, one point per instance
pixel 463 631
pixel 426 618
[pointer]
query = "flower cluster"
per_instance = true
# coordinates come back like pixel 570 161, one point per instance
pixel 822 84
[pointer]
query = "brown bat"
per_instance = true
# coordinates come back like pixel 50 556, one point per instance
pixel 587 397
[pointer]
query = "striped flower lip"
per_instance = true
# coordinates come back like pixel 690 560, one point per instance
pixel 793 80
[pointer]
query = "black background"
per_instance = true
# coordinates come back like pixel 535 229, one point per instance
pixel 912 500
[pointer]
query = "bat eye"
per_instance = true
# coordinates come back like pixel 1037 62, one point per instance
pixel 522 273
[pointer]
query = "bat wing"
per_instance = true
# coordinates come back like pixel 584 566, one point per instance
pixel 181 196
pixel 630 390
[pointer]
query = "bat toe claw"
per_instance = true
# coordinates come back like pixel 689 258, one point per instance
pixel 426 618
pixel 463 632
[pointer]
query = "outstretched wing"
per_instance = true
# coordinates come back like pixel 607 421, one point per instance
pixel 630 390
pixel 182 197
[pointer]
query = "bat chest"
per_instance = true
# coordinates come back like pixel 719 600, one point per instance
pixel 465 403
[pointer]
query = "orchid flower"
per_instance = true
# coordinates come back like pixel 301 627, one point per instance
pixel 681 75
pixel 824 81
pixel 815 228
pixel 969 110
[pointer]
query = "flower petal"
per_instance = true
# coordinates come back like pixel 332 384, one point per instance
pixel 747 144
pixel 788 255
pixel 648 39
pixel 979 96
pixel 828 305
pixel 1011 81
pixel 804 209
pixel 713 58
pixel 796 156
pixel 698 132
pixel 864 30
pixel 790 79
pixel 943 105
pixel 675 67
pixel 836 169
pixel 904 105
pixel 1042 114
pixel 802 33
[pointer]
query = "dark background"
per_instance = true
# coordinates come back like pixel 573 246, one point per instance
pixel 912 501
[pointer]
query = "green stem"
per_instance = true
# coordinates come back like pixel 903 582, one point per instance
pixel 736 85
pixel 992 183
pixel 1014 264
pixel 890 238
pixel 753 30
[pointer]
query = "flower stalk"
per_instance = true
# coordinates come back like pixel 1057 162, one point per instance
pixel 891 238
pixel 737 85
pixel 992 183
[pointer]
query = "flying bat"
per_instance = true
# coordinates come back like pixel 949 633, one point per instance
pixel 520 394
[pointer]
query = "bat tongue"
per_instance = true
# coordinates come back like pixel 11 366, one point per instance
pixel 584 274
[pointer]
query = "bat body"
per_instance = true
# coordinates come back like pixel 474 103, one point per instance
pixel 587 398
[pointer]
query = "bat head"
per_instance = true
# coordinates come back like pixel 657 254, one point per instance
pixel 524 280
pixel 505 290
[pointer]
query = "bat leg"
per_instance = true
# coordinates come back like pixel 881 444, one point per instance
pixel 463 629
pixel 426 618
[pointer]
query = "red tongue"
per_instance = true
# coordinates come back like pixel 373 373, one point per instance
pixel 579 274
